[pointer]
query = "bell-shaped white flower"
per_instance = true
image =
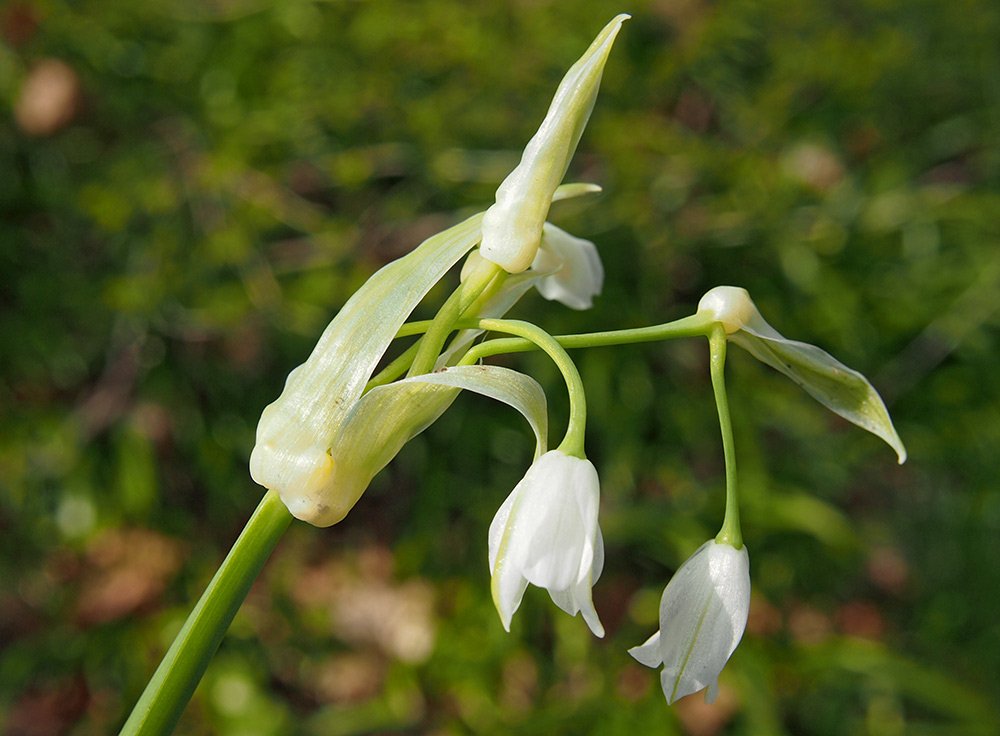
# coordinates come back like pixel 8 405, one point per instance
pixel 512 227
pixel 546 534
pixel 703 613
pixel 575 273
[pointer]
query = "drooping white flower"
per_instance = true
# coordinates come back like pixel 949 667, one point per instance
pixel 703 614
pixel 512 227
pixel 575 273
pixel 546 534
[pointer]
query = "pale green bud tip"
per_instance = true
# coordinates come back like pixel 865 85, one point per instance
pixel 731 306
pixel 512 227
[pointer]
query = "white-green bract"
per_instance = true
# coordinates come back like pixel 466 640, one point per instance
pixel 546 534
pixel 703 613
pixel 839 388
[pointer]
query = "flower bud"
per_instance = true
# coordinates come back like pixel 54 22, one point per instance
pixel 512 227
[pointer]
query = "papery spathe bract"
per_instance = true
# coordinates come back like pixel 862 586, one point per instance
pixel 703 614
pixel 512 227
pixel 546 533
pixel 839 388
pixel 294 454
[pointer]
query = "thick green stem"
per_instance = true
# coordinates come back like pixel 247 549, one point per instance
pixel 573 442
pixel 399 364
pixel 730 533
pixel 171 686
pixel 464 297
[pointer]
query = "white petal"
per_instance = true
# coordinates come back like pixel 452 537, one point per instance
pixel 712 692
pixel 576 274
pixel 648 653
pixel 507 587
pixel 840 389
pixel 499 533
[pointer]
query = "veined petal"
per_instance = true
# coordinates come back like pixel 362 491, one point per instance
pixel 512 227
pixel 703 614
pixel 648 653
pixel 841 389
pixel 578 598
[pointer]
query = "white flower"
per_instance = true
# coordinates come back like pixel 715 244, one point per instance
pixel 546 534
pixel 574 267
pixel 703 613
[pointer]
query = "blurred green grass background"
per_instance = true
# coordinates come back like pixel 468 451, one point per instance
pixel 189 191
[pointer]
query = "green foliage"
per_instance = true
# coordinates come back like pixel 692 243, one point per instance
pixel 221 176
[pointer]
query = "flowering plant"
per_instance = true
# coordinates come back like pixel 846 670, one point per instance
pixel 337 422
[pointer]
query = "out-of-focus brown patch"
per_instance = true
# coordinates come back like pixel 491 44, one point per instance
pixel 397 619
pixel 105 403
pixel 889 570
pixel 765 618
pixel 17 618
pixel 693 221
pixel 814 165
pixel 634 682
pixel 49 99
pixel 348 678
pixel 694 110
pixel 949 173
pixel 862 619
pixel 687 17
pixel 699 718
pixel 367 607
pixel 48 710
pixel 577 683
pixel 126 570
pixel 154 422
pixel 244 346
pixel 519 683
pixel 18 23
pixel 862 140
pixel 611 599
pixel 808 625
